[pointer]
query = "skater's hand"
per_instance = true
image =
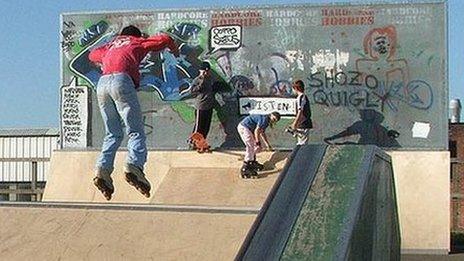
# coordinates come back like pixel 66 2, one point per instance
pixel 99 65
pixel 203 73
pixel 268 147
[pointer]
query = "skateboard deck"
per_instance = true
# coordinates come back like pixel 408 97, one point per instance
pixel 200 143
pixel 293 132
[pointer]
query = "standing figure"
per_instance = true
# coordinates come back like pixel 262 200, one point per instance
pixel 251 129
pixel 117 99
pixel 204 90
pixel 302 123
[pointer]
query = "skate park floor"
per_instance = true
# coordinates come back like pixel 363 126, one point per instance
pixel 109 232
pixel 194 212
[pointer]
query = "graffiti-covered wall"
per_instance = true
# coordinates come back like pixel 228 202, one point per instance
pixel 374 74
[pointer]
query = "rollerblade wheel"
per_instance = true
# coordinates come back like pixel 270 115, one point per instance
pixel 100 184
pixel 253 174
pixel 141 187
pixel 145 190
pixel 107 195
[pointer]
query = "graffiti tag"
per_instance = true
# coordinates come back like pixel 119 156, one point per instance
pixel 228 37
pixel 93 32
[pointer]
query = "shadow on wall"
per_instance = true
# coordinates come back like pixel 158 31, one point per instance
pixel 370 131
pixel 229 122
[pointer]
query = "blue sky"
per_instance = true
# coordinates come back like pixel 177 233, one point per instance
pixel 29 51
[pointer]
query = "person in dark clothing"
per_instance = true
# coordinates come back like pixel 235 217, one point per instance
pixel 302 123
pixel 203 88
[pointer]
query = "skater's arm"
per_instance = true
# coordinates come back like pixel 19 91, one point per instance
pixel 297 119
pixel 257 134
pixel 97 54
pixel 197 84
pixel 260 133
pixel 301 103
pixel 159 42
pixel 266 141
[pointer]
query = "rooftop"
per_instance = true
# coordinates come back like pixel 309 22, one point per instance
pixel 27 132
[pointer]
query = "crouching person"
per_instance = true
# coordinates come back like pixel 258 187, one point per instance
pixel 251 129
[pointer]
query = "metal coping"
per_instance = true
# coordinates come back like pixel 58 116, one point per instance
pixel 180 149
pixel 241 149
pixel 136 207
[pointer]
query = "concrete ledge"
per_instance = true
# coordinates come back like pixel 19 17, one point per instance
pixel 422 181
pixel 443 252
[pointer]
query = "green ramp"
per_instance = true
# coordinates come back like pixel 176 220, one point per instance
pixel 330 203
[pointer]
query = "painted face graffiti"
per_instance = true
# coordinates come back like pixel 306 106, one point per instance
pixel 380 41
pixel 381 45
pixel 392 74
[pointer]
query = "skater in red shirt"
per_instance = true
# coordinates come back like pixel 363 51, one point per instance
pixel 117 99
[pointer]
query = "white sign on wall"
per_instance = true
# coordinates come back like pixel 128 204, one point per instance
pixel 226 37
pixel 74 115
pixel 265 105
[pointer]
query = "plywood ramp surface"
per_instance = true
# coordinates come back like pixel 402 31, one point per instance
pixel 80 234
pixel 177 177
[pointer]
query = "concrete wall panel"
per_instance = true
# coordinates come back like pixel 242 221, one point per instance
pixel 375 73
pixel 422 183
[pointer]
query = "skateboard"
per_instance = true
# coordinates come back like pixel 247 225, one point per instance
pixel 292 131
pixel 200 143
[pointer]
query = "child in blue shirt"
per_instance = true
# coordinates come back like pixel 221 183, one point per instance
pixel 251 129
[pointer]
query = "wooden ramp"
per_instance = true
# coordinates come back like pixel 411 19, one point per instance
pixel 199 210
pixel 316 203
pixel 177 177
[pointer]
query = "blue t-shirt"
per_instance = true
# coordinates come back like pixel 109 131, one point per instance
pixel 253 120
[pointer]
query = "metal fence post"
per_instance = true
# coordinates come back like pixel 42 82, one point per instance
pixel 34 196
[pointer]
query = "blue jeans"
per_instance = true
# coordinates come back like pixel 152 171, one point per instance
pixel 118 100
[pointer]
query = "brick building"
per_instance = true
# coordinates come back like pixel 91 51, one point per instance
pixel 456 147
